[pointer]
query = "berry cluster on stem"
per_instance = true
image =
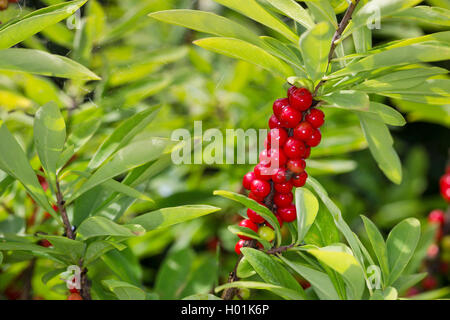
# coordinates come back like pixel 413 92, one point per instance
pixel 294 130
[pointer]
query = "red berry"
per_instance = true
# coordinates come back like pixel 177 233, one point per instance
pixel 254 217
pixel 275 158
pixel 247 223
pixel 279 176
pixel 277 137
pixel 445 180
pixel 315 138
pixel 73 290
pixel 436 216
pixel 291 90
pixel 300 179
pixel 44 243
pixel 238 246
pixel 248 179
pixel 262 172
pixel 251 195
pixel 278 106
pixel 303 131
pixel 294 149
pixel 260 188
pixel 429 283
pixel 307 152
pixel 74 296
pixel 300 99
pixel 288 214
pixel 296 166
pixel 290 117
pixel 274 122
pixel 283 187
pixel 446 194
pixel 316 117
pixel 283 200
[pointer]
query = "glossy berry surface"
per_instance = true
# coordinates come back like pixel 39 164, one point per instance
pixel 283 187
pixel 277 137
pixel 262 172
pixel 436 216
pixel 247 223
pixel 266 233
pixel 248 179
pixel 300 98
pixel 296 166
pixel 283 199
pixel 299 180
pixel 303 131
pixel 274 122
pixel 238 246
pixel 288 214
pixel 314 139
pixel 254 216
pixel 294 148
pixel 290 117
pixel 279 175
pixel 278 106
pixel 315 117
pixel 260 188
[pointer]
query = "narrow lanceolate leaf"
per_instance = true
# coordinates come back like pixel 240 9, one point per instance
pixel 239 49
pixel 416 53
pixel 271 270
pixel 124 290
pixel 43 63
pixel 255 206
pixel 323 11
pixel 315 45
pixel 167 217
pixel 49 137
pixel 401 244
pixel 388 114
pixel 307 207
pixel 378 245
pixel 122 135
pixel 339 258
pixel 283 292
pixel 425 14
pixel 17 30
pixel 100 226
pixel 206 22
pixel 381 145
pixel 347 99
pixel 254 11
pixel 294 11
pixel 127 158
pixel 14 162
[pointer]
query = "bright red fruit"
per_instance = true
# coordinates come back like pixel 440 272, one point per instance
pixel 277 137
pixel 278 106
pixel 272 157
pixel 238 246
pixel 300 98
pixel 247 223
pixel 260 188
pixel 315 138
pixel 296 166
pixel 251 195
pixel 283 200
pixel 283 187
pixel 262 172
pixel 288 214
pixel 248 179
pixel 300 179
pixel 316 117
pixel 290 117
pixel 307 152
pixel 254 217
pixel 294 149
pixel 436 216
pixel 74 296
pixel 429 283
pixel 279 176
pixel 274 122
pixel 303 131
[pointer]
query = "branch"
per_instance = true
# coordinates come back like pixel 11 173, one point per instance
pixel 280 249
pixel 337 35
pixel 62 209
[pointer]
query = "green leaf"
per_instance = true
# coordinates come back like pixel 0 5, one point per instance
pixel 43 63
pixel 315 45
pixel 14 162
pixel 49 136
pixel 1 258
pixel 97 248
pixel 294 11
pixel 378 245
pixel 74 249
pixel 206 22
pixel 407 281
pixel 401 243
pixel 125 265
pixel 127 158
pixel 256 12
pixel 271 271
pixel 323 232
pixel 249 233
pixel 328 167
pixel 323 11
pixel 389 293
pixel 122 135
pixel 319 281
pixel 347 99
pixel 424 52
pixel 425 14
pixel 239 49
pixel 245 269
pixel 340 259
pixel 202 296
pixel 174 273
pixel 251 204
pixel 388 114
pixel 51 274
pixel 283 51
pixel 100 226
pixel 283 292
pixel 381 145
pixel 18 30
pixel 307 207
pixel 124 290
pixel 167 217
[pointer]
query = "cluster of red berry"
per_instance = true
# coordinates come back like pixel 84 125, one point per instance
pixel 4 3
pixel 294 129
pixel 444 184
